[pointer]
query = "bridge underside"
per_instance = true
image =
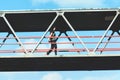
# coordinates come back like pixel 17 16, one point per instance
pixel 60 63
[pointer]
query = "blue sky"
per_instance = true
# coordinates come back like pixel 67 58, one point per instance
pixel 57 4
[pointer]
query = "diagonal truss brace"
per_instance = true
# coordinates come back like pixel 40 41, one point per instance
pixel 4 39
pixel 71 41
pixel 12 30
pixel 45 34
pixel 60 14
pixel 110 25
pixel 109 40
pixel 75 32
pixel 67 38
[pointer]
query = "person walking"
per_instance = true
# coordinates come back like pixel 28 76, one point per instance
pixel 52 40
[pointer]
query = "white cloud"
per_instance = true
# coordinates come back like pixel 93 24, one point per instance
pixel 28 46
pixel 80 3
pixel 31 46
pixel 77 3
pixel 72 3
pixel 41 46
pixel 106 77
pixel 30 41
pixel 52 76
pixel 37 2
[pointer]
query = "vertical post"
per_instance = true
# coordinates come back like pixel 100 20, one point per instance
pixel 45 33
pixel 12 30
pixel 74 32
pixel 117 13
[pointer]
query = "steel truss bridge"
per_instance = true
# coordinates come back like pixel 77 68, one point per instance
pixel 88 39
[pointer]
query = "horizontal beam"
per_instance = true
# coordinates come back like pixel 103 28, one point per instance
pixel 38 37
pixel 60 10
pixel 60 50
pixel 60 63
pixel 33 43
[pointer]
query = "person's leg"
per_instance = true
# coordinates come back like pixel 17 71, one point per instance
pixel 55 46
pixel 49 52
pixel 50 49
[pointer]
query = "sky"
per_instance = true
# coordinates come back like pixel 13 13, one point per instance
pixel 59 75
pixel 56 4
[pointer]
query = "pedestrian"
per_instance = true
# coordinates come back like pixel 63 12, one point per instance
pixel 52 41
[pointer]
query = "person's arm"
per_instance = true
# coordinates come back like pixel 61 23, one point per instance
pixel 50 36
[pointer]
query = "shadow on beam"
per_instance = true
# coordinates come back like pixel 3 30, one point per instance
pixel 60 63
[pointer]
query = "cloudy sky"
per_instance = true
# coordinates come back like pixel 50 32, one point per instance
pixel 58 4
pixel 55 4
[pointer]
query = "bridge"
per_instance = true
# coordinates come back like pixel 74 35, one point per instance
pixel 87 39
